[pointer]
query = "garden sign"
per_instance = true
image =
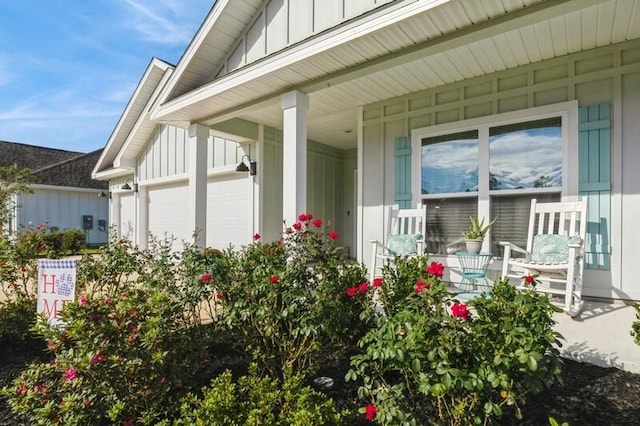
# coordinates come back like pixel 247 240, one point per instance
pixel 56 286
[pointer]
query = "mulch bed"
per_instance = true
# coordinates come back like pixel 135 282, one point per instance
pixel 591 395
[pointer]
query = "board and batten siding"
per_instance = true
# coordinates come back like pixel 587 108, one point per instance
pixel 282 23
pixel 64 209
pixel 325 186
pixel 609 74
pixel 166 153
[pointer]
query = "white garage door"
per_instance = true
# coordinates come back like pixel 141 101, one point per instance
pixel 168 213
pixel 127 216
pixel 229 211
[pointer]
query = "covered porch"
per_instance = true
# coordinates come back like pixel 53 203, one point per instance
pixel 402 73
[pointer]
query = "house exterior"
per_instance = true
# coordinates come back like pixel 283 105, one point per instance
pixel 64 194
pixel 348 107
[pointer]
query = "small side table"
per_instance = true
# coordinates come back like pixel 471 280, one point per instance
pixel 474 273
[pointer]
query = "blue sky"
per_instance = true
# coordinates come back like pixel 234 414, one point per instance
pixel 69 67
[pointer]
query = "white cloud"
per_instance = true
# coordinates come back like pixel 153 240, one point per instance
pixel 161 21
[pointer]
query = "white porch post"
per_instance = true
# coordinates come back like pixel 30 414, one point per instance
pixel 143 217
pixel 294 197
pixel 197 208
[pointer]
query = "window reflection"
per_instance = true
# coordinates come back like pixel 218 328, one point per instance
pixel 450 163
pixel 526 155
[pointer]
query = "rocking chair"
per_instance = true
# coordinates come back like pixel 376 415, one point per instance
pixel 407 230
pixel 554 255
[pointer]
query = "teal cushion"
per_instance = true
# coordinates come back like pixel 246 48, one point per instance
pixel 403 244
pixel 551 248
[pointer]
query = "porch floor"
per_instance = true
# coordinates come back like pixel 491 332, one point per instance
pixel 600 335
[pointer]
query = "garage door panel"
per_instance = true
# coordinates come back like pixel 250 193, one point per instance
pixel 127 217
pixel 228 211
pixel 168 215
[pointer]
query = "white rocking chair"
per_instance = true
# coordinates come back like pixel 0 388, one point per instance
pixel 554 252
pixel 406 237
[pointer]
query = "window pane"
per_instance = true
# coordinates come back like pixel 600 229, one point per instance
pixel 450 163
pixel 446 220
pixel 512 224
pixel 526 155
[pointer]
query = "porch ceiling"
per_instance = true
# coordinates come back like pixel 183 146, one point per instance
pixel 454 41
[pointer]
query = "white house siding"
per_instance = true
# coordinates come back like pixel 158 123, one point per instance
pixel 325 186
pixel 282 23
pixel 609 74
pixel 166 213
pixel 164 155
pixel 64 209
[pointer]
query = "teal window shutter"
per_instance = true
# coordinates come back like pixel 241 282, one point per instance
pixel 594 182
pixel 402 172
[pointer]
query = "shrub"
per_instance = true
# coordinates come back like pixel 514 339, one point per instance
pixel 255 400
pixel 635 327
pixel 128 349
pixel 434 360
pixel 19 286
pixel 290 300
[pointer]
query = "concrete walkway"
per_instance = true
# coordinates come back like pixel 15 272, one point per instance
pixel 600 335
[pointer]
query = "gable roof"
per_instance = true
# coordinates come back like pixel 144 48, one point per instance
pixel 31 156
pixel 74 172
pixel 134 122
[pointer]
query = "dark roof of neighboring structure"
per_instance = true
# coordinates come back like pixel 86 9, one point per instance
pixel 75 172
pixel 30 156
pixel 51 166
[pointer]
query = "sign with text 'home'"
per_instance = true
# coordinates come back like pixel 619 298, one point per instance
pixel 56 286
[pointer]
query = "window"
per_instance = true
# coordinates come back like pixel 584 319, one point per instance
pixel 491 168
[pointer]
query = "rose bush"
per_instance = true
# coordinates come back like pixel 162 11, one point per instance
pixel 432 359
pixel 289 301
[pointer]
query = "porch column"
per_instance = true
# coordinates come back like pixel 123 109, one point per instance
pixel 143 217
pixel 197 160
pixel 294 196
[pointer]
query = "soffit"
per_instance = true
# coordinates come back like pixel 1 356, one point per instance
pixel 454 41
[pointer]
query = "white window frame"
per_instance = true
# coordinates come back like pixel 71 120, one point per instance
pixel 567 111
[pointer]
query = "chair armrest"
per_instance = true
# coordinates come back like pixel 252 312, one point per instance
pixel 513 247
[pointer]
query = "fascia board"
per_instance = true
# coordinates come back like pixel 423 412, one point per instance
pixel 304 50
pixel 117 138
pixel 111 173
pixel 213 17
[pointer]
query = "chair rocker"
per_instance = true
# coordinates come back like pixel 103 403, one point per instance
pixel 405 237
pixel 555 251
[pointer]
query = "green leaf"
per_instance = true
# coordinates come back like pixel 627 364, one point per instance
pixel 416 365
pixel 532 363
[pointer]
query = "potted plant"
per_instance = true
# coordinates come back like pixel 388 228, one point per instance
pixel 474 235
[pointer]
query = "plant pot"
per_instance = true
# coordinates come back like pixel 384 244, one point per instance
pixel 473 246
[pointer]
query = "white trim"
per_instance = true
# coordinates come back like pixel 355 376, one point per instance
pixel 66 188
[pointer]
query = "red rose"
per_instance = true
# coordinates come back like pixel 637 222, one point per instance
pixel 377 282
pixel 333 235
pixel 352 291
pixel 529 279
pixel 370 412
pixel 256 236
pixel 460 310
pixel 363 287
pixel 274 279
pixel 421 285
pixel 297 226
pixel 317 223
pixel 205 278
pixel 436 269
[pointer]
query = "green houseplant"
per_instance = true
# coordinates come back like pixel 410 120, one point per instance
pixel 474 235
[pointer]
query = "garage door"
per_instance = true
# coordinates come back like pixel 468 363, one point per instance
pixel 229 211
pixel 168 213
pixel 128 216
